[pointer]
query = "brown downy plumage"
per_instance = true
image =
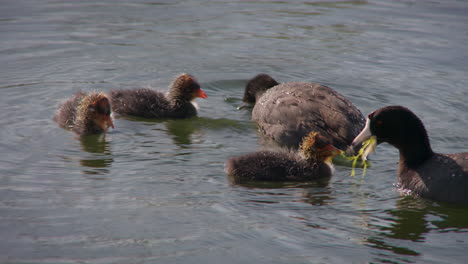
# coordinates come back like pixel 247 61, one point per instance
pixel 85 113
pixel 312 162
pixel 153 104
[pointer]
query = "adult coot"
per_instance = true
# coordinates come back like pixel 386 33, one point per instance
pixel 287 112
pixel 441 177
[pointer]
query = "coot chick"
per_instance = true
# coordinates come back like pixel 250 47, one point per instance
pixel 153 104
pixel 441 177
pixel 312 162
pixel 85 113
pixel 287 112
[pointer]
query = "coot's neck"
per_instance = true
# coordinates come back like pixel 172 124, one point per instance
pixel 87 126
pixel 259 94
pixel 414 149
pixel 85 118
pixel 257 86
pixel 177 99
pixel 315 160
pixel 413 157
pixel 252 95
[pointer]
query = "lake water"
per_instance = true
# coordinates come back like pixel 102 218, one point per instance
pixel 155 191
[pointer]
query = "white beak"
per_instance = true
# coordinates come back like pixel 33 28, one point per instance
pixel 364 135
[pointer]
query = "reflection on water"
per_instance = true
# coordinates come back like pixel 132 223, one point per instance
pixel 319 183
pixel 181 131
pixel 97 164
pixel 412 220
pixel 317 196
pixel 336 4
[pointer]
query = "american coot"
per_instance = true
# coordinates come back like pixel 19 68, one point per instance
pixel 257 86
pixel 85 113
pixel 287 112
pixel 153 104
pixel 441 177
pixel 311 163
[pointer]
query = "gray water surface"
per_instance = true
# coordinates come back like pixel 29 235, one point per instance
pixel 155 191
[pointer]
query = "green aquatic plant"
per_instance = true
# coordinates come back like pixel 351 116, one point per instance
pixel 367 148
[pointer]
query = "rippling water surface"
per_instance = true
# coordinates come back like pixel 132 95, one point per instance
pixel 154 191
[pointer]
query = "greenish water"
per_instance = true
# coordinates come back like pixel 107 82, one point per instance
pixel 155 191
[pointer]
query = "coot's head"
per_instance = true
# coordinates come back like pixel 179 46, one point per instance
pixel 317 147
pixel 396 125
pixel 257 86
pixel 185 87
pixel 95 111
